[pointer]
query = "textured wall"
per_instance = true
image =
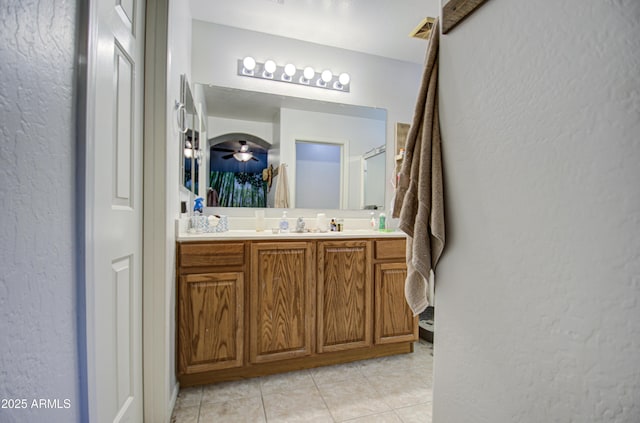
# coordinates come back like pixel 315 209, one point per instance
pixel 179 62
pixel 38 352
pixel 538 295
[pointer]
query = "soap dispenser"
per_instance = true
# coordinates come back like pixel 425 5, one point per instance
pixel 284 223
pixel 382 225
pixel 372 222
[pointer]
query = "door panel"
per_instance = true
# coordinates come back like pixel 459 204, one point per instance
pixel 394 319
pixel 211 321
pixel 282 305
pixel 114 211
pixel 344 295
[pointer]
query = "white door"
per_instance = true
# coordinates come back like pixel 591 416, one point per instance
pixel 114 210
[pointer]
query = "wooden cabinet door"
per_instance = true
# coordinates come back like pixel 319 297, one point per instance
pixel 210 322
pixel 344 295
pixel 282 301
pixel 394 321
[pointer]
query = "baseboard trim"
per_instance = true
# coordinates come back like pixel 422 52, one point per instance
pixel 173 399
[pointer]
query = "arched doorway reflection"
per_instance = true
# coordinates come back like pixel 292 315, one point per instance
pixel 236 162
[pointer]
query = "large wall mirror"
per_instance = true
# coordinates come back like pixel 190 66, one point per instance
pixel 190 126
pixel 324 147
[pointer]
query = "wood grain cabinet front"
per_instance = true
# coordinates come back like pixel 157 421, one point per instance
pixel 210 322
pixel 282 310
pixel 345 312
pixel 394 320
pixel 256 307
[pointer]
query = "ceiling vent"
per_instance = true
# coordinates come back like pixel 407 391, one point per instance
pixel 423 30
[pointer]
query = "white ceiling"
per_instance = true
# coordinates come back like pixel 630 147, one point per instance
pixel 378 27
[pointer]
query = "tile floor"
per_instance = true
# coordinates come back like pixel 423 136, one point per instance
pixel 393 389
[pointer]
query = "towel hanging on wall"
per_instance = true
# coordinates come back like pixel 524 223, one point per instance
pixel 418 198
pixel 282 188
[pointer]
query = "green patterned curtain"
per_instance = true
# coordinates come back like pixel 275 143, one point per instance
pixel 239 189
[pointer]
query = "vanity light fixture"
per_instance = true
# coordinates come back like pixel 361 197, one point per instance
pixel 269 68
pixel 343 80
pixel 289 74
pixel 307 74
pixel 325 76
pixel 248 65
pixel 188 149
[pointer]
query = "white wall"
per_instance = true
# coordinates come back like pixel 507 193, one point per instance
pixel 38 249
pixel 179 62
pixel 220 126
pixel 538 292
pixel 375 81
pixel 359 134
pixel 317 176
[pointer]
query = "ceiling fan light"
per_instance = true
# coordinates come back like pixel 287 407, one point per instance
pixel 242 156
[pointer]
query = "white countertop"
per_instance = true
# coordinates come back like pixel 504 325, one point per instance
pixel 267 234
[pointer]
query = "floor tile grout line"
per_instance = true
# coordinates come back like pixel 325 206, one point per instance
pixel 264 408
pixel 324 401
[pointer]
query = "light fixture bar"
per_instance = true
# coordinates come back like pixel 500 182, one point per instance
pixel 336 82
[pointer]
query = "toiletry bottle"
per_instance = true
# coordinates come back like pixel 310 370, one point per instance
pixel 334 227
pixel 197 205
pixel 259 214
pixel 382 225
pixel 372 222
pixel 321 222
pixel 300 224
pixel 284 223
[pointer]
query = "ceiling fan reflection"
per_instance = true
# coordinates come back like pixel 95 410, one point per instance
pixel 243 154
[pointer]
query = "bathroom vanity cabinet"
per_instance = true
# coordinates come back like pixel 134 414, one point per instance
pixel 345 287
pixel 210 306
pixel 282 306
pixel 255 307
pixel 394 321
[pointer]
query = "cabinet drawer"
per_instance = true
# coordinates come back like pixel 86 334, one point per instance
pixel 391 248
pixel 212 254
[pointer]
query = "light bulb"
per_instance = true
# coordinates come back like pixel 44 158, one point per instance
pixel 242 157
pixel 344 78
pixel 290 69
pixel 270 66
pixel 308 72
pixel 326 75
pixel 249 63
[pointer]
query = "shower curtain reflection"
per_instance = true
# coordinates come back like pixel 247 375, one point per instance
pixel 239 189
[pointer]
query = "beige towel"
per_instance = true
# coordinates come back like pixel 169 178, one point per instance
pixel 282 188
pixel 418 200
